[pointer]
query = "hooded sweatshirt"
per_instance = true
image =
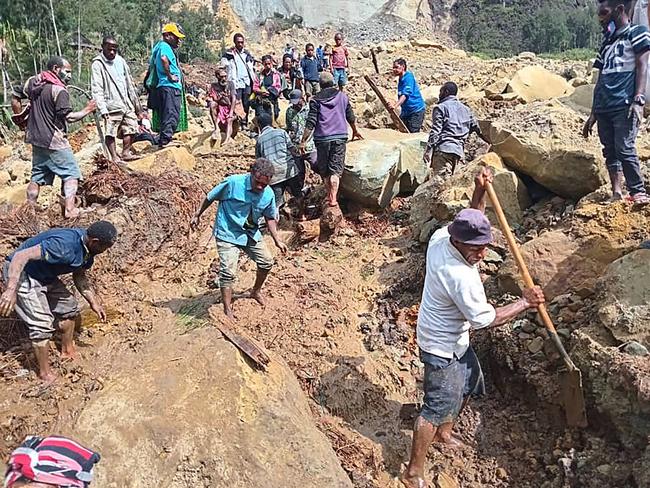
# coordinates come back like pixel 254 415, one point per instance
pixel 112 86
pixel 329 114
pixel 49 107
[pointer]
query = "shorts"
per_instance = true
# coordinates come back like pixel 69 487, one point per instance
pixel 447 383
pixel 312 87
pixel 330 157
pixel 293 185
pixel 414 121
pixel 48 163
pixel 229 259
pixel 340 76
pixel 40 305
pixel 120 125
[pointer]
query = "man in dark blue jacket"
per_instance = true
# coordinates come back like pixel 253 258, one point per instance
pixel 311 67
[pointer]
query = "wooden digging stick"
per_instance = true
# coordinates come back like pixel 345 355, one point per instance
pixel 393 115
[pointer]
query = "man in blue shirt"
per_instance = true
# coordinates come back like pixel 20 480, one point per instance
pixel 409 98
pixel 40 298
pixel 169 87
pixel 243 201
pixel 619 96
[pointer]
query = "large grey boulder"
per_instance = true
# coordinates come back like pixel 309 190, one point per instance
pixel 382 165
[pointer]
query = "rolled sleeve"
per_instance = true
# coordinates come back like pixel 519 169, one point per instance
pixel 469 297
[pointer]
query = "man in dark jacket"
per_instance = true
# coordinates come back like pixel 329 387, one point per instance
pixel 330 113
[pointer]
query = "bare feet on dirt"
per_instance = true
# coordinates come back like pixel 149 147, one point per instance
pixel 48 378
pixel 412 481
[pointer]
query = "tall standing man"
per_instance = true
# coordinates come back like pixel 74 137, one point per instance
pixel 40 298
pixel 168 83
pixel 330 113
pixel 50 112
pixel 241 71
pixel 116 98
pixel 619 96
pixel 453 122
pixel 409 98
pixel 243 201
pixel 453 303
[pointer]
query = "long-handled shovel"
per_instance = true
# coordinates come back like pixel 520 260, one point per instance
pixel 571 380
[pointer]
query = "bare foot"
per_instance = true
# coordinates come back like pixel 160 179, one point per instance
pixel 48 378
pixel 72 214
pixel 257 296
pixel 412 481
pixel 130 157
pixel 69 354
pixel 451 441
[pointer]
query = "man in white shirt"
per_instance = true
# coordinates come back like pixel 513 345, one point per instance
pixel 241 72
pixel 453 303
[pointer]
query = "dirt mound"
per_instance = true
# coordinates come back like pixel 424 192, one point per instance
pixel 208 422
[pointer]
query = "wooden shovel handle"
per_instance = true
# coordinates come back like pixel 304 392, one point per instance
pixel 514 249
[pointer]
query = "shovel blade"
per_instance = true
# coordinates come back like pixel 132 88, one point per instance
pixel 573 398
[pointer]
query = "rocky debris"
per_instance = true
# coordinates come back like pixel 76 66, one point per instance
pixel 432 204
pixel 382 165
pixel 556 261
pixel 633 348
pixel 248 413
pixel 624 293
pixel 534 83
pixel 428 43
pixel 5 152
pixel 15 194
pixel 542 141
pixel 581 99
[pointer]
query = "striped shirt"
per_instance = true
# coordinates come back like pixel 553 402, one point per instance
pixel 276 146
pixel 617 64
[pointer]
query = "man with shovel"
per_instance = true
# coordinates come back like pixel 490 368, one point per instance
pixel 453 303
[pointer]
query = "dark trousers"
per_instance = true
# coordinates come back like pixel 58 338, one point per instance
pixel 617 134
pixel 170 112
pixel 414 121
pixel 244 94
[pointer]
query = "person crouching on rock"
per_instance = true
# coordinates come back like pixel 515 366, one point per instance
pixel 453 303
pixel 243 201
pixel 41 300
pixel 222 101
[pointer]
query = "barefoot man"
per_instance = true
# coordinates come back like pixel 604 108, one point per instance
pixel 41 300
pixel 453 303
pixel 243 201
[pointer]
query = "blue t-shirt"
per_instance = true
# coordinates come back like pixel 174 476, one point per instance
pixel 414 102
pixel 62 251
pixel 311 68
pixel 617 64
pixel 240 209
pixel 163 49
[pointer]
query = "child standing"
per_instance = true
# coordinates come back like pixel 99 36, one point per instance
pixel 340 62
pixel 311 67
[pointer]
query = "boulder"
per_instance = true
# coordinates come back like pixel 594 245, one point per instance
pixel 543 142
pixel 496 88
pixel 5 177
pixel 556 262
pixel 534 83
pixel 430 94
pixel 383 165
pixel 625 298
pixel 431 203
pixel 527 55
pixel 160 161
pixel 204 144
pixel 174 421
pixel 428 43
pixel 581 99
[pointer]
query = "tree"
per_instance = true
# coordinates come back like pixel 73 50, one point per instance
pixel 547 31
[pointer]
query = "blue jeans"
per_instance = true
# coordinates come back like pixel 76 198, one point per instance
pixel 340 77
pixel 617 134
pixel 447 383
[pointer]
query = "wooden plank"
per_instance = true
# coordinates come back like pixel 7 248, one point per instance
pixel 374 60
pixel 393 114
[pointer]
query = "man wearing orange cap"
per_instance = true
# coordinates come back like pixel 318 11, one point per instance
pixel 166 78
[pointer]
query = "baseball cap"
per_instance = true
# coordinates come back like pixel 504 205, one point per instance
pixel 175 29
pixel 295 96
pixel 471 227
